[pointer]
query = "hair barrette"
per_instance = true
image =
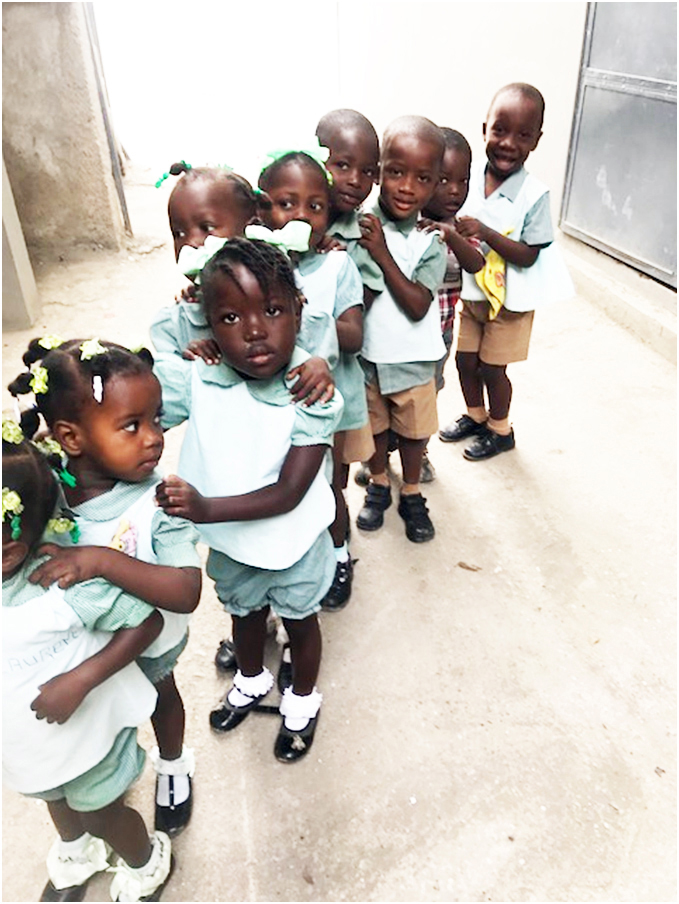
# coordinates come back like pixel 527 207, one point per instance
pixel 49 342
pixel 11 431
pixel 39 379
pixel 91 348
pixel 13 506
pixel 64 525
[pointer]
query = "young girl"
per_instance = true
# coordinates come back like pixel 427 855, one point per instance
pixel 73 698
pixel 252 479
pixel 102 405
pixel 297 188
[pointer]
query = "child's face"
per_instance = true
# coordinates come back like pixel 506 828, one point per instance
pixel 200 208
pixel 512 131
pixel 299 193
pixel 354 165
pixel 451 192
pixel 121 437
pixel 14 552
pixel 256 333
pixel 409 175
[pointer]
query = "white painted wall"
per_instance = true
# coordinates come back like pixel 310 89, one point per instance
pixel 224 82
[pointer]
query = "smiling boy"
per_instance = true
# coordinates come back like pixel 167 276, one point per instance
pixel 402 335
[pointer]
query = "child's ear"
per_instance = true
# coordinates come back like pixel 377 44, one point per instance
pixel 537 140
pixel 69 436
pixel 14 552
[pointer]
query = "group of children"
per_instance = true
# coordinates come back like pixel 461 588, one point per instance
pixel 309 338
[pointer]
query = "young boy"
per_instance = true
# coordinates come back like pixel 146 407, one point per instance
pixel 440 213
pixel 354 166
pixel 508 211
pixel 402 336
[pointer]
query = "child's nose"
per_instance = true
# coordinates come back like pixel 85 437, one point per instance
pixel 254 328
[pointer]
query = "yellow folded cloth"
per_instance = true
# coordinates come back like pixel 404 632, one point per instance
pixel 491 281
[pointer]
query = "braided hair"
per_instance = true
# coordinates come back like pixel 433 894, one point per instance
pixel 244 194
pixel 269 266
pixel 71 377
pixel 26 471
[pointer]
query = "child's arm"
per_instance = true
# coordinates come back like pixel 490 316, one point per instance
pixel 350 330
pixel 413 298
pixel 176 589
pixel 518 253
pixel 177 497
pixel 468 256
pixel 61 696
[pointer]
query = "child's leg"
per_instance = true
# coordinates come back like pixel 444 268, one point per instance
pixel 306 647
pixel 471 380
pixel 499 396
pixel 378 463
pixel 123 828
pixel 411 451
pixel 168 719
pixel 249 637
pixel 340 590
pixel 339 527
pixel 74 858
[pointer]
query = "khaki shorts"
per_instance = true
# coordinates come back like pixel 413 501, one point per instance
pixel 354 445
pixel 500 341
pixel 410 413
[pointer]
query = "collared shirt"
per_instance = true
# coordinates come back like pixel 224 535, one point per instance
pixel 346 228
pixel 519 207
pixel 408 357
pixel 238 436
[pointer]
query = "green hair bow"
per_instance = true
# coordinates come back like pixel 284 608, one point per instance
pixel 11 431
pixel 294 236
pixel 192 260
pixel 13 506
pixel 316 151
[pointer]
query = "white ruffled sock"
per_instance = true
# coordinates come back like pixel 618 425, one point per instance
pixel 180 770
pixel 298 709
pixel 246 687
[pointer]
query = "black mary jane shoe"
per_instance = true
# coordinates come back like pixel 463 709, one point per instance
pixel 227 717
pixel 291 745
pixel 225 657
pixel 174 818
pixel 71 893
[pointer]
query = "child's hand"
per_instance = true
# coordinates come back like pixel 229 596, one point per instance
pixel 469 228
pixel 67 565
pixel 330 243
pixel 372 236
pixel 59 698
pixel 206 349
pixel 189 294
pixel 315 382
pixel 177 497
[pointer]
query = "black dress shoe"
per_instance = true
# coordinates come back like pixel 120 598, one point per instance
pixel 291 745
pixel 462 428
pixel 225 658
pixel 174 818
pixel 284 677
pixel 415 513
pixel 71 893
pixel 489 444
pixel 227 717
pixel 377 500
pixel 340 590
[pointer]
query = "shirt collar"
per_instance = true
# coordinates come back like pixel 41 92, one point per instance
pixel 511 186
pixel 275 391
pixel 346 225
pixel 404 226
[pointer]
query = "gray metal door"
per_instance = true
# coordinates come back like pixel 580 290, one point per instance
pixel 621 181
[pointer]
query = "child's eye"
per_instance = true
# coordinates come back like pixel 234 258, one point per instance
pixel 207 227
pixel 342 164
pixel 424 179
pixel 443 180
pixel 370 173
pixel 178 234
pixel 230 317
pixel 274 310
pixel 317 206
pixel 131 428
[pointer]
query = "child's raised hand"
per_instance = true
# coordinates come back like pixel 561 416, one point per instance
pixel 188 294
pixel 59 698
pixel 206 349
pixel 330 243
pixel 315 382
pixel 372 236
pixel 67 565
pixel 177 497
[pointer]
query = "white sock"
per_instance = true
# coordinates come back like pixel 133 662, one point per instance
pixel 72 850
pixel 342 552
pixel 297 710
pixel 180 786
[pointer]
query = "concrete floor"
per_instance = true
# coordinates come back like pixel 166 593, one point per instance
pixel 499 705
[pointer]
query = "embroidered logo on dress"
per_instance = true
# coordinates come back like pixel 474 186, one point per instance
pixel 125 538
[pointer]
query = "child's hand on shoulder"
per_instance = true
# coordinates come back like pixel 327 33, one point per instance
pixel 330 243
pixel 59 698
pixel 372 236
pixel 177 497
pixel 314 383
pixel 424 224
pixel 67 565
pixel 205 349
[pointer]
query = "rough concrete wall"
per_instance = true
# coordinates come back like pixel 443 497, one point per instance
pixel 53 136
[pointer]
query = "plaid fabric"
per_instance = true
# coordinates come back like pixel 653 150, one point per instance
pixel 448 298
